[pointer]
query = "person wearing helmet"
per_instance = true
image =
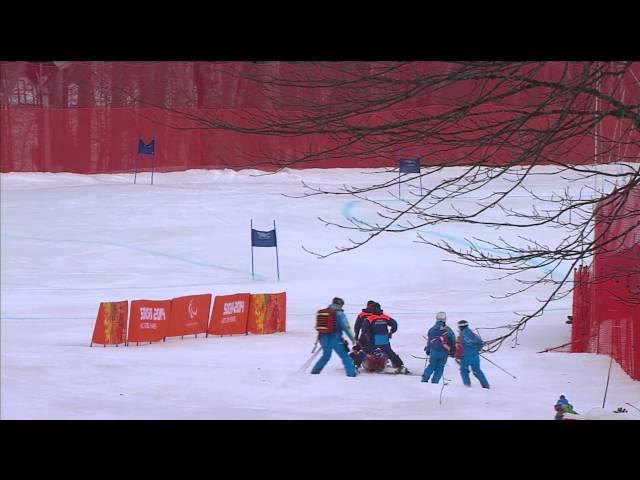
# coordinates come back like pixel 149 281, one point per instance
pixel 376 326
pixel 330 337
pixel 563 406
pixel 441 344
pixel 362 338
pixel 468 347
pixel 363 346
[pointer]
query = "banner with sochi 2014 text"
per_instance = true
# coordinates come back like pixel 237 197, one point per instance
pixel 149 321
pixel 111 323
pixel 230 314
pixel 189 315
pixel 267 313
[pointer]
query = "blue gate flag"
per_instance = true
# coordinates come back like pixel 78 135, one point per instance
pixel 263 239
pixel 146 149
pixel 410 165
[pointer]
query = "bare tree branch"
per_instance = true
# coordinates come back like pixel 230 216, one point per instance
pixel 496 122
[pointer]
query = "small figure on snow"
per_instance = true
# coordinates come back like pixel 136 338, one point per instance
pixel 468 347
pixel 358 355
pixel 562 407
pixel 441 344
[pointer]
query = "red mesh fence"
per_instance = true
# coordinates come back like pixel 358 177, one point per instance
pixel 87 117
pixel 606 297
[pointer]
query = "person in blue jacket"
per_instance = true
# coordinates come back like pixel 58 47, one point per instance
pixel 563 406
pixel 468 347
pixel 332 340
pixel 441 344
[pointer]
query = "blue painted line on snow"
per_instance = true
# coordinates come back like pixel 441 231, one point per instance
pixel 134 248
pixel 347 212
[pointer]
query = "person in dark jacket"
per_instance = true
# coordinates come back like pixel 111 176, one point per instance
pixel 441 344
pixel 363 346
pixel 361 336
pixel 377 327
pixel 358 356
pixel 333 341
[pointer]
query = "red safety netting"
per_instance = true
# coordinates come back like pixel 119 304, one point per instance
pixel 87 117
pixel 606 297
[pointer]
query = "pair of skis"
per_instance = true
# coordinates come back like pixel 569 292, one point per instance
pixel 406 371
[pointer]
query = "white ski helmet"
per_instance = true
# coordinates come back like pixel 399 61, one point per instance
pixel 441 317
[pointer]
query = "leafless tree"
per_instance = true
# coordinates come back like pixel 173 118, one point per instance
pixel 496 122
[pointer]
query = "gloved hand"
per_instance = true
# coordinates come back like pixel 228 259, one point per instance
pixel 390 335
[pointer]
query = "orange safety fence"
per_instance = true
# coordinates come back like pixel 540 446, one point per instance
pixel 189 315
pixel 111 324
pixel 267 313
pixel 149 320
pixel 154 320
pixel 230 314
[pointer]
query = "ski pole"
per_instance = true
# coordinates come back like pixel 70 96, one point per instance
pixel 444 382
pixel 633 406
pixel 604 400
pixel 498 366
pixel 315 344
pixel 308 362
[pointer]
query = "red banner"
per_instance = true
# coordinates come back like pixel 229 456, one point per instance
pixel 111 323
pixel 230 313
pixel 189 315
pixel 149 320
pixel 83 117
pixel 267 313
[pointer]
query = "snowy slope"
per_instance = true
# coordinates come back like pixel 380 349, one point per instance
pixel 69 242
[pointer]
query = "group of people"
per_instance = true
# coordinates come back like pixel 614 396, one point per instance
pixel 442 344
pixel 373 329
pixel 371 341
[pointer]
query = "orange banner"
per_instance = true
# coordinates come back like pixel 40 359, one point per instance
pixel 189 315
pixel 111 323
pixel 230 313
pixel 149 320
pixel 267 313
